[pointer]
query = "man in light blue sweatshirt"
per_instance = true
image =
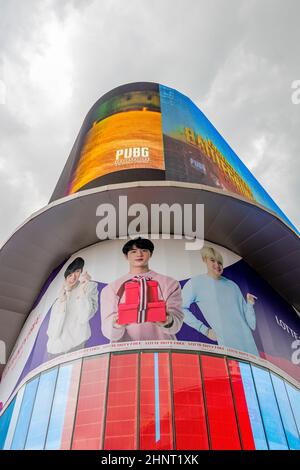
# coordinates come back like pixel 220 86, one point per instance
pixel 221 302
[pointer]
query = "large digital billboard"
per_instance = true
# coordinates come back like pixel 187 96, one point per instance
pixel 212 302
pixel 195 152
pixel 125 134
pixel 146 131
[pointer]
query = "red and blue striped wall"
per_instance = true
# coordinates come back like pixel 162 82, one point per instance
pixel 154 400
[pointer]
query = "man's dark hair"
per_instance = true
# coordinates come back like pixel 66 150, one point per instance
pixel 78 263
pixel 139 242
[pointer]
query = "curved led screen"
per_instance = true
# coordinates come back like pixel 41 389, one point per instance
pixel 145 131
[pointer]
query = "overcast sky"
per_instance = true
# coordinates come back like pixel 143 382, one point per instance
pixel 236 59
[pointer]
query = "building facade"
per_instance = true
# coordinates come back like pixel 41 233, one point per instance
pixel 222 370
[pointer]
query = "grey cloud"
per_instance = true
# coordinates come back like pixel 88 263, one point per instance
pixel 235 59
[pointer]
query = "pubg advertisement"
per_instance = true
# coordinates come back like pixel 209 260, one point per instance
pixel 124 134
pixel 149 132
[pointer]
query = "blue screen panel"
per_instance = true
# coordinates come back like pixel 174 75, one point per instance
pixel 25 415
pixel 5 422
pixel 14 418
pixel 253 408
pixel 294 396
pixel 287 417
pixel 41 411
pixel 269 409
pixel 59 406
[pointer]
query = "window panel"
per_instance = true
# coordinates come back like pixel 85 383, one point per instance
pixel 269 409
pixel 286 413
pixel 59 407
pixel 91 401
pixel 25 415
pixel 155 402
pixel 190 422
pixel 220 408
pixel 41 411
pixel 253 407
pixel 241 406
pixel 5 421
pixel 294 396
pixel 14 418
pixel 69 418
pixel 121 418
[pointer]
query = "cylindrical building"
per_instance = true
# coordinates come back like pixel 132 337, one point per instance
pixel 194 344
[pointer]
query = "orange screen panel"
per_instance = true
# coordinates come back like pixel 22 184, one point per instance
pixel 120 142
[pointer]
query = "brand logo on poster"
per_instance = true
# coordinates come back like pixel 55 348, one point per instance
pixel 131 155
pixel 198 166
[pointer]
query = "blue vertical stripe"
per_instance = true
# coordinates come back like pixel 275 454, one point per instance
pixel 14 419
pixel 294 396
pixel 56 424
pixel 25 415
pixel 5 422
pixel 41 411
pixel 253 408
pixel 269 409
pixel 157 405
pixel 287 417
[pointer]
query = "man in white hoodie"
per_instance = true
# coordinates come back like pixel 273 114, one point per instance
pixel 69 327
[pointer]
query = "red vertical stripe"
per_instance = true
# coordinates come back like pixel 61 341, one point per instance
pixel 190 422
pixel 241 406
pixel 220 409
pixel 148 438
pixel 90 411
pixel 121 418
pixel 71 407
